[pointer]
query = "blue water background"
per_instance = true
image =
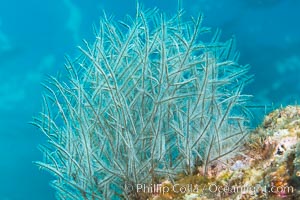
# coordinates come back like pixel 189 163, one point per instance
pixel 36 35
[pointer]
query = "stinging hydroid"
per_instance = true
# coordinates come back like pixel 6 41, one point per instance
pixel 148 100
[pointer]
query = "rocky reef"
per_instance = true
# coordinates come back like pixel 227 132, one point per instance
pixel 266 167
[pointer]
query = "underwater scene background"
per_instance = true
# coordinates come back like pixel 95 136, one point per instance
pixel 35 37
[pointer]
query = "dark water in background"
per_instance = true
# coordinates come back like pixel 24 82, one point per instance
pixel 36 35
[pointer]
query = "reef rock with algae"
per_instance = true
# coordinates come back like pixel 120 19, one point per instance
pixel 267 167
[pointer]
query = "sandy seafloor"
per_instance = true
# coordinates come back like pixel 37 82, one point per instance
pixel 36 35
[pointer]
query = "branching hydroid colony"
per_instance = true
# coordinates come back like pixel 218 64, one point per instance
pixel 148 100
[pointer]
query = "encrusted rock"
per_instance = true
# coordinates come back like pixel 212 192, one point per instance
pixel 268 167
